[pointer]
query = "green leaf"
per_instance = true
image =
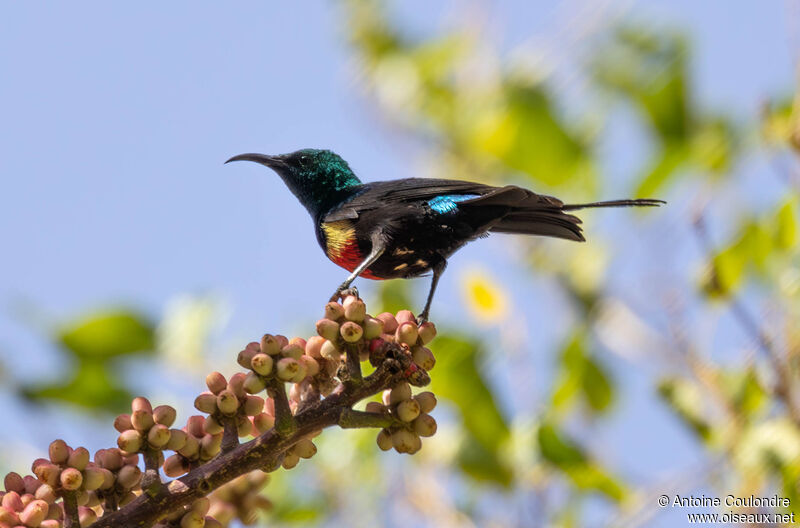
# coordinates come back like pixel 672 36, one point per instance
pixel 581 374
pixel 786 225
pixel 670 160
pixel 745 391
pixel 109 334
pixel 91 386
pixel 687 401
pixel 482 464
pixel 459 379
pixel 569 457
pixel 394 296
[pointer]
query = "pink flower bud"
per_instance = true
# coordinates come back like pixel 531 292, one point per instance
pixel 305 448
pixel 216 382
pixel 290 460
pixel 375 407
pixel 354 309
pixel 206 402
pixel 141 403
pixel 426 400
pixel 50 523
pixel 253 405
pixel 177 439
pixel 127 498
pixel 389 322
pixel 46 492
pixel 400 392
pixel 165 415
pixel 407 333
pixel 59 452
pixel 129 476
pixel 9 517
pixel 407 410
pixel 79 458
pixel 71 479
pixel 14 482
pixel 328 329
pixel 299 341
pixel 194 425
pixel 403 441
pixel 384 440
pixel 142 419
pixel 123 422
pixel 424 425
pixel 334 311
pixel 261 364
pixel 372 328
pixel 130 441
pixel 293 351
pixel 227 402
pixel 158 436
pixel 236 383
pixel 34 513
pixel 86 516
pixel 351 332
pixel 311 365
pixel 109 459
pixel 287 369
pixel 427 331
pixel 209 446
pixel 13 501
pixel 406 316
pixel 253 383
pixel 93 478
pixel 212 425
pixel 191 449
pixel 423 357
pixel 263 422
pixel 314 345
pixel 270 345
pixel 31 484
pixel 175 466
pixel 330 352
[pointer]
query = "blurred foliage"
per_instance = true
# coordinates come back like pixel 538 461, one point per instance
pixel 93 346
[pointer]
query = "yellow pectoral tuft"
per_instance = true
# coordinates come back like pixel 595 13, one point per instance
pixel 338 235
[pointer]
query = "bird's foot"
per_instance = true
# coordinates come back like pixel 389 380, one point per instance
pixel 343 291
pixel 423 317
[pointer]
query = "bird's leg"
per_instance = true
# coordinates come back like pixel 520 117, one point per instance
pixel 378 247
pixel 438 269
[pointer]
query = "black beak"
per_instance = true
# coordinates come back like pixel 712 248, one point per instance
pixel 273 162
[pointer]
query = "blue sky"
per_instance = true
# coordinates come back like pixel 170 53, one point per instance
pixel 117 119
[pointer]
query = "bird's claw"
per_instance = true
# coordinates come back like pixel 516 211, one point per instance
pixel 343 291
pixel 422 318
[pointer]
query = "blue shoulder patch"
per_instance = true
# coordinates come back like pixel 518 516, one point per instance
pixel 447 203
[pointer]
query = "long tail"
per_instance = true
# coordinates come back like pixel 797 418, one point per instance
pixel 547 217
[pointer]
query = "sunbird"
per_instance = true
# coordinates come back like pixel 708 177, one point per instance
pixel 401 229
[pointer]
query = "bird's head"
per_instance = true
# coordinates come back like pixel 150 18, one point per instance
pixel 320 179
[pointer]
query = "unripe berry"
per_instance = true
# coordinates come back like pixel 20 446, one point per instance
pixel 9 517
pixel 407 410
pixel 351 332
pixel 193 519
pixel 372 328
pixel 71 479
pixel 34 513
pixel 93 478
pixel 424 425
pixel 290 460
pixel 109 458
pixel 330 352
pixel 416 444
pixel 423 357
pixel 403 441
pixel 407 333
pixel 270 345
pixel 312 367
pixel 79 458
pixel 212 425
pixel 210 445
pixel 294 351
pixel 334 311
pixel 263 422
pixel 389 322
pixel 211 522
pixel 12 501
pixel 354 309
pixel 130 441
pixel 400 392
pixel 243 426
pixel 426 400
pixel 374 407
pixel 127 498
pixel 216 382
pixel 194 425
pixel 282 340
pixel 175 466
pixel 158 436
pixel 287 369
pixel 201 505
pixel 261 364
pixel 46 492
pixel 50 523
pixel 177 439
pixel 253 405
pixel 427 331
pixel 328 329
pixel 59 452
pixel 314 345
pixel 206 402
pixel 301 374
pixel 236 383
pixel 253 383
pixel 191 448
pixel 165 415
pixel 142 419
pixel 123 422
pixel 14 482
pixel 384 440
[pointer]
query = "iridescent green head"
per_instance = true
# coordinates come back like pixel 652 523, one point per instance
pixel 320 179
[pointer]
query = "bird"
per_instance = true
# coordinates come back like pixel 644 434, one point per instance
pixel 405 228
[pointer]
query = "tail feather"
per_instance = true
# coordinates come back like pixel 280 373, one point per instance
pixel 550 219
